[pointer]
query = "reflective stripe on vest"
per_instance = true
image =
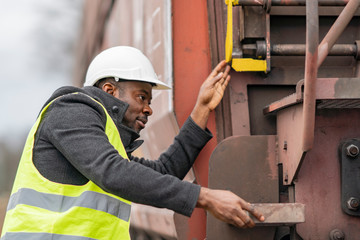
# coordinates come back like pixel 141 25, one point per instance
pixel 42 209
pixel 52 201
pixel 42 236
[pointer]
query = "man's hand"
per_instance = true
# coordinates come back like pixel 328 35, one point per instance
pixel 228 207
pixel 211 93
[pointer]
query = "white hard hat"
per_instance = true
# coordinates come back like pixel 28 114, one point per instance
pixel 122 62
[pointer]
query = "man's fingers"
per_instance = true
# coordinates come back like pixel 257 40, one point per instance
pixel 238 222
pixel 226 82
pixel 221 71
pixel 221 65
pixel 226 71
pixel 215 79
pixel 250 207
pixel 219 68
pixel 246 219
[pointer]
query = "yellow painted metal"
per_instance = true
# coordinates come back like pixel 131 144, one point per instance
pixel 239 64
pixel 229 34
pixel 234 2
pixel 248 65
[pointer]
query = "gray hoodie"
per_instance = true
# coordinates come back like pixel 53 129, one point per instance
pixel 71 147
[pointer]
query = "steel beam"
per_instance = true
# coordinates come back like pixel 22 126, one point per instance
pixel 291 2
pixel 337 29
pixel 312 42
pixel 299 50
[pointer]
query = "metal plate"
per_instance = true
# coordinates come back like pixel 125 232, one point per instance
pixel 350 177
pixel 280 214
pixel 245 165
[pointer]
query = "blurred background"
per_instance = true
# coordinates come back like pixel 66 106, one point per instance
pixel 37 45
pixel 48 44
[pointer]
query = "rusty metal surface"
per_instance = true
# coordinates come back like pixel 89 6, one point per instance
pixel 288 27
pixel 280 214
pixel 291 2
pixel 285 70
pixel 301 10
pixel 282 103
pixel 351 103
pixel 247 166
pixel 259 50
pixel 318 183
pixel 259 96
pixel 256 27
pixel 330 93
pixel 338 88
pixel 289 131
pixel 303 2
pixel 240 99
pixel 299 50
pixel 337 29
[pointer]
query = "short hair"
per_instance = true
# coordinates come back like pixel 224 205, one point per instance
pixel 101 82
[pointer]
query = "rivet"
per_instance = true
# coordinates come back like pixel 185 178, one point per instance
pixel 285 145
pixel 353 203
pixel 352 150
pixel 337 234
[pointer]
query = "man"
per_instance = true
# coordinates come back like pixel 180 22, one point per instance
pixel 77 176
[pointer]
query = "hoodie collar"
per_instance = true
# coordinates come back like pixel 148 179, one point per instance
pixel 116 109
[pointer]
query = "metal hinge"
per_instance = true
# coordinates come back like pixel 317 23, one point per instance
pixel 350 177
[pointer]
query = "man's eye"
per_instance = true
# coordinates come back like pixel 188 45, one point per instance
pixel 142 98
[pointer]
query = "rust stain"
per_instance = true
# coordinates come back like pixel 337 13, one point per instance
pixel 271 159
pixel 239 98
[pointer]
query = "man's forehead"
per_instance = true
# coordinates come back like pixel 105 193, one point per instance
pixel 137 85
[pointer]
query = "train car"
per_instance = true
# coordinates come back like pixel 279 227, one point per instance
pixel 287 132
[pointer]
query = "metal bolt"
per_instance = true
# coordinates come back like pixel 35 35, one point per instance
pixel 353 203
pixel 352 150
pixel 337 234
pixel 285 145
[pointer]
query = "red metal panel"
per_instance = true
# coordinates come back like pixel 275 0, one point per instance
pixel 318 184
pixel 192 65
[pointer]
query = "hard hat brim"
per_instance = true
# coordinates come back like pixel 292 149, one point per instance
pixel 123 62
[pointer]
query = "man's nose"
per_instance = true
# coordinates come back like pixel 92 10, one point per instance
pixel 148 110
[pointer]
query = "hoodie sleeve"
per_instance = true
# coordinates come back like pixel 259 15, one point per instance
pixel 180 156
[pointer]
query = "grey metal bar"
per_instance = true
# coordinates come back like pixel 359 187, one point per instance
pixel 312 42
pixel 303 2
pixel 291 2
pixel 336 30
pixel 300 49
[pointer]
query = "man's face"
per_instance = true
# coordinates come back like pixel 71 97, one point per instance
pixel 138 95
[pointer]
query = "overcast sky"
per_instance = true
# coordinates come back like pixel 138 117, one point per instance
pixel 37 41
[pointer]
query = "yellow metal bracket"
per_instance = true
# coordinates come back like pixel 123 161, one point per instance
pixel 239 64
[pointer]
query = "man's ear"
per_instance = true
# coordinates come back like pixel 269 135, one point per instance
pixel 109 88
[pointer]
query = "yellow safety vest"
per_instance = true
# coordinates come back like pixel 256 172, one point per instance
pixel 42 209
